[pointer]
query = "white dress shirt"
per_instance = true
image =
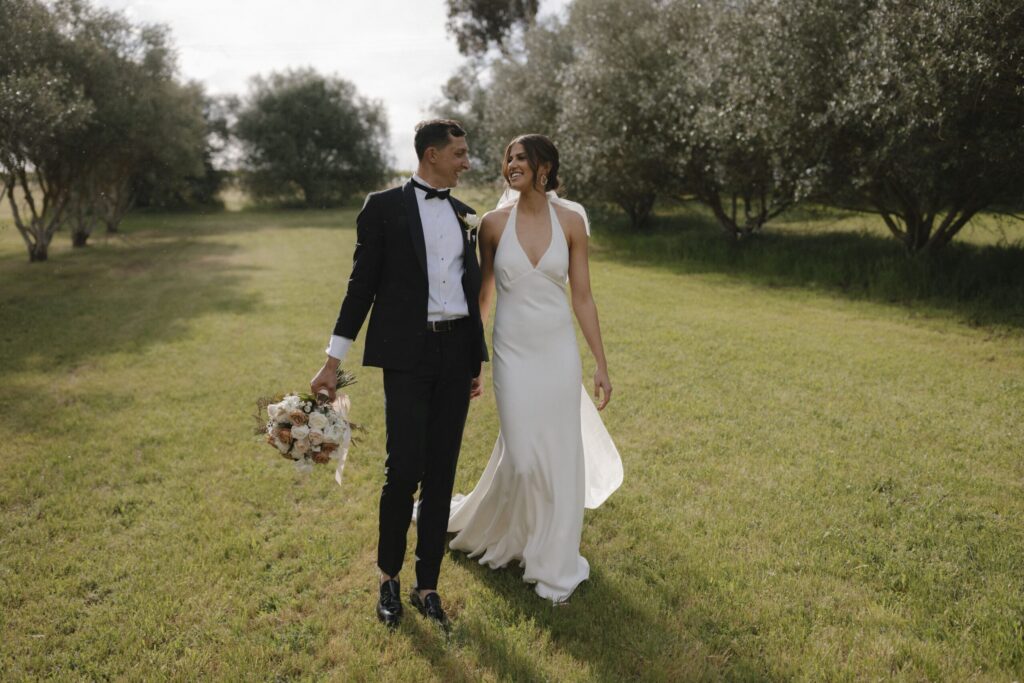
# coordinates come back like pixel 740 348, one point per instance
pixel 442 236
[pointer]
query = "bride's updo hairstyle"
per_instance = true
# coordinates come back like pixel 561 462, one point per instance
pixel 539 150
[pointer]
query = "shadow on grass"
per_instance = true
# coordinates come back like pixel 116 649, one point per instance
pixel 247 220
pixel 981 285
pixel 141 292
pixel 619 634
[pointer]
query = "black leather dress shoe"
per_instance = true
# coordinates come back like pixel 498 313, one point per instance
pixel 430 607
pixel 389 607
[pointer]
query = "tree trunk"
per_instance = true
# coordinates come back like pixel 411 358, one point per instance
pixel 79 238
pixel 38 252
pixel 638 209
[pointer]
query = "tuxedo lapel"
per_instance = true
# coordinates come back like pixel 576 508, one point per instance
pixel 412 210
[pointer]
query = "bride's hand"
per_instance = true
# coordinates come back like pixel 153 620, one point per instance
pixel 476 389
pixel 602 384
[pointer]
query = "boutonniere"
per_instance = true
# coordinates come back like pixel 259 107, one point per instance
pixel 471 224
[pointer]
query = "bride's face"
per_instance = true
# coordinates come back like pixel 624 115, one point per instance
pixel 520 176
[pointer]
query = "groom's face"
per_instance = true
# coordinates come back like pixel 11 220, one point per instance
pixel 451 160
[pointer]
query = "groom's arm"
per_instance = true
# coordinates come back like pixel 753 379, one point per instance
pixel 362 290
pixel 367 263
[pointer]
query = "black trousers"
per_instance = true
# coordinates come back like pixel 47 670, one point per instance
pixel 425 410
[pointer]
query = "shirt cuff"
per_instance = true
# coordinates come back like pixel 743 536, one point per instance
pixel 338 347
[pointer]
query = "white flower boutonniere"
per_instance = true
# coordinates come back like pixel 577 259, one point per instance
pixel 471 224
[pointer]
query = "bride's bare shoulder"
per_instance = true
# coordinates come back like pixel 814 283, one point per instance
pixel 497 214
pixel 495 219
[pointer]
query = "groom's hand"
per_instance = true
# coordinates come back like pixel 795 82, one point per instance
pixel 326 379
pixel 476 389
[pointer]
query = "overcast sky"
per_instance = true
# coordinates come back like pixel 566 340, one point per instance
pixel 396 51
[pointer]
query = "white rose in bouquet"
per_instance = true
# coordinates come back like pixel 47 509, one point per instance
pixel 318 421
pixel 333 434
pixel 308 430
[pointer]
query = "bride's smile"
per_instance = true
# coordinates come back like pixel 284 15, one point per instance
pixel 518 170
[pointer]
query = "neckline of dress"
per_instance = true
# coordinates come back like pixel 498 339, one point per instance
pixel 513 218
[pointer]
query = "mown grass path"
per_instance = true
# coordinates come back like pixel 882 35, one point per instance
pixel 817 487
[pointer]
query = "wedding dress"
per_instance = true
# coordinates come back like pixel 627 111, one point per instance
pixel 553 455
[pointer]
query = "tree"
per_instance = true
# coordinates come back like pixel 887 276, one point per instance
pixel 303 132
pixel 929 123
pixel 618 101
pixel 87 101
pixel 760 78
pixel 181 172
pixel 143 120
pixel 479 24
pixel 41 109
pixel 200 187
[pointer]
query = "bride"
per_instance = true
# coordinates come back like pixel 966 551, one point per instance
pixel 553 456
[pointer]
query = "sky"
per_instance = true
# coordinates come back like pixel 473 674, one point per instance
pixel 394 51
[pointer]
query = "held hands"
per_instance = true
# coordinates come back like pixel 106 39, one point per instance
pixel 602 384
pixel 476 389
pixel 326 379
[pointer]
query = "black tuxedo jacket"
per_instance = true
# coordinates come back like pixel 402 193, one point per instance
pixel 389 274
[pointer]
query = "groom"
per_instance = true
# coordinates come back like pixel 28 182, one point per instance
pixel 415 265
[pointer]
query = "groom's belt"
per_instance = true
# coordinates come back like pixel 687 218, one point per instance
pixel 446 325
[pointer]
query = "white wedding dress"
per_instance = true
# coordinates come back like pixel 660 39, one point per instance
pixel 553 455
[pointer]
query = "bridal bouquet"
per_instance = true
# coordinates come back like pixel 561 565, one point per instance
pixel 308 429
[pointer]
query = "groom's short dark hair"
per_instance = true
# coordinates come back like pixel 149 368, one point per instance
pixel 434 133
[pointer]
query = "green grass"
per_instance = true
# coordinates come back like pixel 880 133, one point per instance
pixel 822 483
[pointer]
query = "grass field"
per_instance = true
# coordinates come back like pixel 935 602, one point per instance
pixel 824 471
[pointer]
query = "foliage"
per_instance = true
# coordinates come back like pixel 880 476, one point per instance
pixel 619 101
pixel 200 187
pixel 313 134
pixel 759 76
pixel 144 123
pixel 929 123
pixel 911 110
pixel 41 109
pixel 88 102
pixel 479 24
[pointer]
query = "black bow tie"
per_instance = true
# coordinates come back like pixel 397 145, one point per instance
pixel 431 192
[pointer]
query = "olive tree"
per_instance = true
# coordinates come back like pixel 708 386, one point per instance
pixel 479 24
pixel 312 134
pixel 929 122
pixel 41 109
pixel 618 101
pixel 198 184
pixel 757 140
pixel 143 120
